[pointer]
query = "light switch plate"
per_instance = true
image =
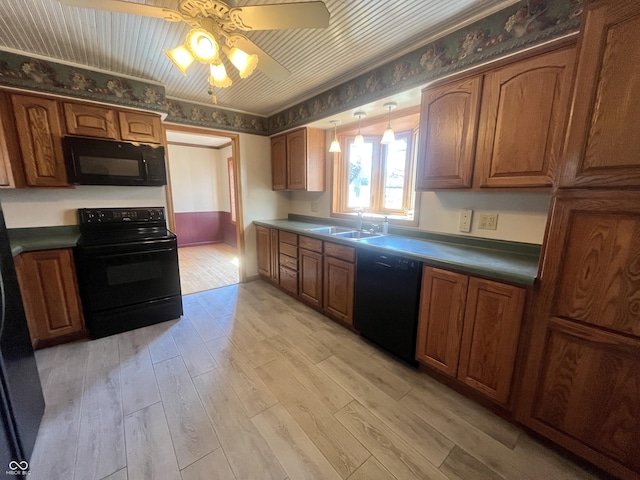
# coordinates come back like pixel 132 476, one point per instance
pixel 314 206
pixel 465 220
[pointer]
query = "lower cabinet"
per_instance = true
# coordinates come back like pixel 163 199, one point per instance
pixel 469 329
pixel 49 290
pixel 339 281
pixel 288 262
pixel 310 271
pixel 263 247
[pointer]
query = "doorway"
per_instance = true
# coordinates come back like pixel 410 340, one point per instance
pixel 204 206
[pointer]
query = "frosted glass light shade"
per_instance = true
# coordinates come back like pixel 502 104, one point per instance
pixel 388 137
pixel 202 45
pixel 181 57
pixel 244 62
pixel 359 141
pixel 335 146
pixel 219 77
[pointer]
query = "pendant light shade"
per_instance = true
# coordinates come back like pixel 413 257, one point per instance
pixel 359 140
pixel 181 58
pixel 244 62
pixel 335 145
pixel 388 136
pixel 219 77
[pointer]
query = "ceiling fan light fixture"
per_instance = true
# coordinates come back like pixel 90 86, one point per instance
pixel 202 45
pixel 244 62
pixel 388 136
pixel 335 144
pixel 219 77
pixel 181 57
pixel 359 140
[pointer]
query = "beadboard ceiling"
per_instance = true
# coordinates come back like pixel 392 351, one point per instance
pixel 362 34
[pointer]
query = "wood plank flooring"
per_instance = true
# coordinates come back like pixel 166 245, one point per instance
pixel 204 267
pixel 250 384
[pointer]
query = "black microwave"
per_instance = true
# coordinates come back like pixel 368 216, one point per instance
pixel 92 161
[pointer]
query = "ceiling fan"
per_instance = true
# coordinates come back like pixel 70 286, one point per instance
pixel 215 26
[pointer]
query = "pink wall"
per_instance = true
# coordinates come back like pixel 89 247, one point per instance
pixel 199 228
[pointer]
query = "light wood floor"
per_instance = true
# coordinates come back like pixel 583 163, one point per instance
pixel 204 267
pixel 250 384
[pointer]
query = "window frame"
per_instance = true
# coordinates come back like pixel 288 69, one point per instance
pixel 340 184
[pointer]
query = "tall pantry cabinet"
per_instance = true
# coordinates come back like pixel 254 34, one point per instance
pixel 581 382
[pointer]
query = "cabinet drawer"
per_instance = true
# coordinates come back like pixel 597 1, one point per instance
pixel 289 262
pixel 288 237
pixel 289 280
pixel 309 243
pixel 340 251
pixel 287 249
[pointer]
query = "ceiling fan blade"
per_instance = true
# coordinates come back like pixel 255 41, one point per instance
pixel 127 7
pixel 281 16
pixel 266 64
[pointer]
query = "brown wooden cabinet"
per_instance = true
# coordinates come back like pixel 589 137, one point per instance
pixel 469 328
pixel 91 121
pixel 288 261
pixel 522 121
pixel 263 247
pixel 501 129
pixel 339 281
pixel 297 160
pixel 50 295
pixel 140 127
pixel 581 384
pixel 39 125
pixel 274 255
pixel 602 148
pixel 310 270
pixel 448 129
pixel 11 171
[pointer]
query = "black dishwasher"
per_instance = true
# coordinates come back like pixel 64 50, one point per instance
pixel 387 301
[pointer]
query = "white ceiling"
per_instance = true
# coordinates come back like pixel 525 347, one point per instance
pixel 362 34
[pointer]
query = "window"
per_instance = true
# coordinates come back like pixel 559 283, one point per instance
pixel 376 178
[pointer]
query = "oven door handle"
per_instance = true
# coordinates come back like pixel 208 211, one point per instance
pixel 139 252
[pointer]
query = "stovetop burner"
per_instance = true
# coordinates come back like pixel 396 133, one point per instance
pixel 109 226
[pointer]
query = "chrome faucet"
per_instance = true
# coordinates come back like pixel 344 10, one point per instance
pixel 359 221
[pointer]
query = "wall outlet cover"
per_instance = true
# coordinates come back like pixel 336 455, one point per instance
pixel 465 220
pixel 315 207
pixel 488 221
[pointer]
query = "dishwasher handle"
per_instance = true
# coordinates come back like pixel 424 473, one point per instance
pixel 382 264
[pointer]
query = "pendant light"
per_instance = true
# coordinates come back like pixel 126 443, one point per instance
pixel 388 136
pixel 359 140
pixel 335 145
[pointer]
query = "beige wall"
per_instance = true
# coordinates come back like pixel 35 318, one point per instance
pixel 199 180
pixel 43 207
pixel 522 217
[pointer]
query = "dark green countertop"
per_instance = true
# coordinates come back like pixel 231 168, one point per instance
pixel 511 262
pixel 42 238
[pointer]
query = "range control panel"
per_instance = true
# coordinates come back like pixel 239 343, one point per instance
pixel 120 215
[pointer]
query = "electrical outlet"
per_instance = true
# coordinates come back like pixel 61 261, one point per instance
pixel 488 221
pixel 314 207
pixel 465 220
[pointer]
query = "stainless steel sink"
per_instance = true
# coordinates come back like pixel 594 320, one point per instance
pixel 329 230
pixel 356 235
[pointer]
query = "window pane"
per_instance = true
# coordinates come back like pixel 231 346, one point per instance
pixel 395 165
pixel 360 175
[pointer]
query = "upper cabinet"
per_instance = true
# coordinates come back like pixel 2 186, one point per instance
pixel 448 128
pixel 297 160
pixel 500 129
pixel 32 127
pixel 39 125
pixel 603 147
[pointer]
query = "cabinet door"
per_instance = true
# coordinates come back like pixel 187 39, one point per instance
pixel 275 256
pixel 339 282
pixel 297 160
pixel 448 129
pixel 582 387
pixel 11 171
pixel 50 294
pixel 279 162
pixel 524 112
pixel 263 245
pixel 138 127
pixel 91 121
pixel 492 320
pixel 310 277
pixel 38 122
pixel 442 301
pixel 602 143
